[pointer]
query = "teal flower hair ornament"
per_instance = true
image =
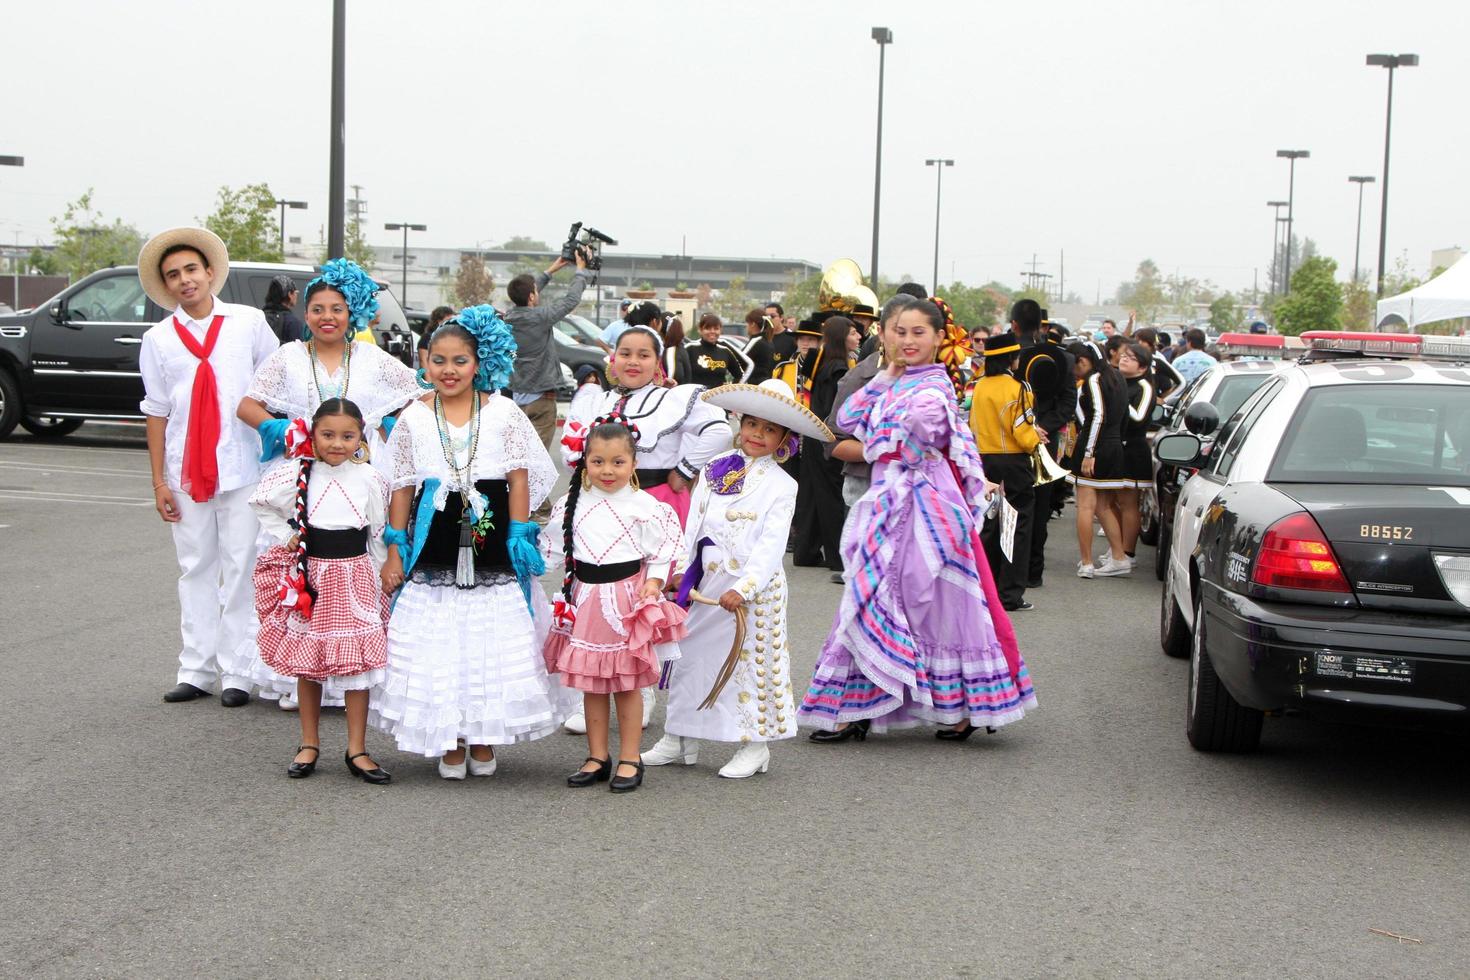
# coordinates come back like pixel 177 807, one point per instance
pixel 495 346
pixel 357 288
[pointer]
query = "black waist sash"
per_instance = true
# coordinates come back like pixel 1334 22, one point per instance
pixel 590 574
pixel 648 479
pixel 348 543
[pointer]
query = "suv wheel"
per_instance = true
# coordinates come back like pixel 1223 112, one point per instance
pixel 1215 721
pixel 1173 630
pixel 9 403
pixel 1148 531
pixel 50 428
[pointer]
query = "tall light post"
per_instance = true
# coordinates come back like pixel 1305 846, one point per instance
pixel 1293 156
pixel 1389 61
pixel 6 161
pixel 1276 245
pixel 405 227
pixel 938 166
pixel 1281 257
pixel 337 142
pixel 1358 235
pixel 294 206
pixel 884 37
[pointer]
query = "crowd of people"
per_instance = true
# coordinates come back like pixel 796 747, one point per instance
pixel 351 531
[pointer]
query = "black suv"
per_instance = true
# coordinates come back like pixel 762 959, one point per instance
pixel 75 357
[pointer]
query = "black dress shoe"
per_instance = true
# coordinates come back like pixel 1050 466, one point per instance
pixel 836 579
pixel 856 729
pixel 184 692
pixel 586 777
pixel 300 770
pixel 950 735
pixel 627 784
pixel 375 776
pixel 233 697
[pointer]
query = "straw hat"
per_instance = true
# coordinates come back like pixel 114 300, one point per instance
pixel 206 242
pixel 770 400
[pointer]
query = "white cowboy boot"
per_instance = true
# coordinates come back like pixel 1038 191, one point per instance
pixel 752 758
pixel 672 748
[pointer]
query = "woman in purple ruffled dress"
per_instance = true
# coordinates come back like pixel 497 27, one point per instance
pixel 914 641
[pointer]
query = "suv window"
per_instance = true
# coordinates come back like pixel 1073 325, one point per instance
pixel 1235 431
pixel 115 299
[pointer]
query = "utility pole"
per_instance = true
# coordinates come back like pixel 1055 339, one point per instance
pixel 884 37
pixel 337 167
pixel 1062 278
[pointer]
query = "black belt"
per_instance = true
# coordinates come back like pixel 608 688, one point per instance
pixel 348 543
pixel 648 479
pixel 590 574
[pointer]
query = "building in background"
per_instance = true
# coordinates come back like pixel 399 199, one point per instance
pixel 1443 258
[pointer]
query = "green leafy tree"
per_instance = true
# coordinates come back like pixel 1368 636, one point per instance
pixel 1315 302
pixel 735 300
pixel 245 220
pixel 521 243
pixel 86 242
pixel 1145 294
pixel 42 263
pixel 473 283
pixel 800 295
pixel 354 246
pixel 1224 314
pixel 974 306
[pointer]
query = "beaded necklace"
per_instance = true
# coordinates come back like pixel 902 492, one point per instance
pixel 321 395
pixel 471 532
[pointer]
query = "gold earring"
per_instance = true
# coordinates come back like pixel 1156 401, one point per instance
pixel 362 455
pixel 586 480
pixel 634 481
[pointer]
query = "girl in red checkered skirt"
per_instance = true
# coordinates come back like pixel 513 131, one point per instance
pixel 322 610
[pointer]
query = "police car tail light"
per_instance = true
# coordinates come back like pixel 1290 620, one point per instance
pixel 1454 572
pixel 1295 554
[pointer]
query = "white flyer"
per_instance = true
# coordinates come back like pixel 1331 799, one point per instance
pixel 1008 515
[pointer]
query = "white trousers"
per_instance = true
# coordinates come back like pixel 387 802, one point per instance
pixel 215 542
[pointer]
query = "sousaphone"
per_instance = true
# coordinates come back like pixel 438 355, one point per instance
pixel 842 288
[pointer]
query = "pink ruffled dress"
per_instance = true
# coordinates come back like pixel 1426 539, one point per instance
pixel 607 640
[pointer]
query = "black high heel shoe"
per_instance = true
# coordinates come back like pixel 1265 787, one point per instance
pixel 586 777
pixel 300 770
pixel 856 729
pixel 627 784
pixel 377 777
pixel 951 735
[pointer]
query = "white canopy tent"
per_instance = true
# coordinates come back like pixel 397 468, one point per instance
pixel 1444 297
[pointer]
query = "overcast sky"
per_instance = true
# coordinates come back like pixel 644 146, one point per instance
pixel 1112 131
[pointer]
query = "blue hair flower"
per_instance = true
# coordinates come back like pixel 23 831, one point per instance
pixel 357 288
pixel 495 346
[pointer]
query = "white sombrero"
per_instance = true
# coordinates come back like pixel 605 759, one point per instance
pixel 770 400
pixel 206 242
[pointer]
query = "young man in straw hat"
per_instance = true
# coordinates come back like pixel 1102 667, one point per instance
pixel 196 366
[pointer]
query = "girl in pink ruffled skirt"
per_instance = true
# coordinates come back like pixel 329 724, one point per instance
pixel 612 627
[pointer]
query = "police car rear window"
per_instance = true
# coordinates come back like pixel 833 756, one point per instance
pixel 1405 435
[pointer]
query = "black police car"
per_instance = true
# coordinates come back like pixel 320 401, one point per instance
pixel 1320 557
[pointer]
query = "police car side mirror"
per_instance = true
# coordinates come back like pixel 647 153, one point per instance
pixel 1201 418
pixel 1178 449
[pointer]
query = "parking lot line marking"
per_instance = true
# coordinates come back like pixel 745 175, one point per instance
pixel 70 470
pixel 16 493
pixel 62 500
pixel 140 451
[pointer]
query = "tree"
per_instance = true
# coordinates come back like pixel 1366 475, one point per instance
pixel 42 263
pixel 1358 306
pixel 521 243
pixel 354 246
pixel 85 242
pixel 799 295
pixel 473 283
pixel 974 306
pixel 1224 314
pixel 245 220
pixel 1145 293
pixel 735 300
pixel 1315 302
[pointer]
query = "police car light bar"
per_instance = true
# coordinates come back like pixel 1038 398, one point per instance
pixel 1446 348
pixel 1402 344
pixel 1251 344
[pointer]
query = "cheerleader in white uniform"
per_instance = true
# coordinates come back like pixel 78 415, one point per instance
pixel 329 363
pixel 322 610
pixel 734 549
pixel 468 626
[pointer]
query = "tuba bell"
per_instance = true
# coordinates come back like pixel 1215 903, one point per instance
pixel 1044 468
pixel 842 288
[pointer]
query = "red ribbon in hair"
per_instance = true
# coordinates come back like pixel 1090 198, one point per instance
pixel 298 440
pixel 200 477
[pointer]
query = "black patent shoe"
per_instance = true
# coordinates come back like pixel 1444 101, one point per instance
pixel 627 784
pixel 184 692
pixel 233 697
pixel 377 777
pixel 856 729
pixel 586 777
pixel 300 770
pixel 951 735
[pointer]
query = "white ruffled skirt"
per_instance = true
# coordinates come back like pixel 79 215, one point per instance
pixel 467 664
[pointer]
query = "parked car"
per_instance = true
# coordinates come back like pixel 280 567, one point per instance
pixel 1320 558
pixel 75 357
pixel 573 355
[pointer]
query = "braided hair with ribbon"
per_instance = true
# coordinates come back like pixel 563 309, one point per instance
pixel 955 350
pixel 612 426
pixel 296 590
pixel 356 287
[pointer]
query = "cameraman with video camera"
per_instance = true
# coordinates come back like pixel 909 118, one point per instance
pixel 537 370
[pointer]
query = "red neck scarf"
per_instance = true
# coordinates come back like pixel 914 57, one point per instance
pixel 201 442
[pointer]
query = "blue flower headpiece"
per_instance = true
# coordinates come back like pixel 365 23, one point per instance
pixel 356 286
pixel 495 346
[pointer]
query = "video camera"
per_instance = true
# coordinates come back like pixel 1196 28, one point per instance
pixel 589 242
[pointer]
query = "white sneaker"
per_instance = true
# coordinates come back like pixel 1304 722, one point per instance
pixel 752 758
pixel 649 703
pixel 288 703
pixel 478 768
pixel 672 748
pixel 453 772
pixel 1085 571
pixel 576 724
pixel 1110 567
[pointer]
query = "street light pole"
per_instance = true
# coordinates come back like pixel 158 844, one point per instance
pixel 1293 156
pixel 1281 256
pixel 1389 61
pixel 1276 245
pixel 1358 235
pixel 405 227
pixel 294 206
pixel 8 161
pixel 938 166
pixel 884 37
pixel 337 169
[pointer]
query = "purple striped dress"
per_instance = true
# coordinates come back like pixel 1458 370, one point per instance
pixel 914 642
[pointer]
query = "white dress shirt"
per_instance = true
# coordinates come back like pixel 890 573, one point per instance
pixel 245 342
